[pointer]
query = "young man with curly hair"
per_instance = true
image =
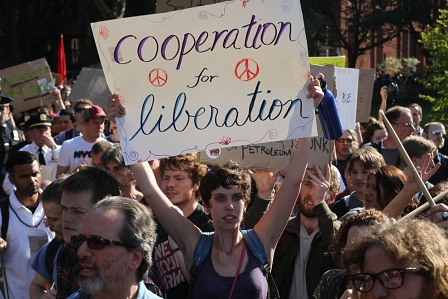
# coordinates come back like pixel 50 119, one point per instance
pixel 181 176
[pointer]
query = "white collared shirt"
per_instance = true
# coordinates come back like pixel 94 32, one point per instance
pixel 23 244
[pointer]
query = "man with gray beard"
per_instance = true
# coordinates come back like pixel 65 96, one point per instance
pixel 114 250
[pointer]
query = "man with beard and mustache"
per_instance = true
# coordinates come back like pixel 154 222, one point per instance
pixel 301 256
pixel 26 231
pixel 114 250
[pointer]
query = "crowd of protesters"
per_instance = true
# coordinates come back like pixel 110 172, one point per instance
pixel 77 222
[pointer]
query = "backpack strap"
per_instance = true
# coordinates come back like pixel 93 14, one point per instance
pixel 50 255
pixel 256 248
pixel 4 206
pixel 253 243
pixel 201 251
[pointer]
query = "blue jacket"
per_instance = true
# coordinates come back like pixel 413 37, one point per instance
pixel 143 293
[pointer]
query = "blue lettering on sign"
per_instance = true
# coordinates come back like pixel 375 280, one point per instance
pixel 205 117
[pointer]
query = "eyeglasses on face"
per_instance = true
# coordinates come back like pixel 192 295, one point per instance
pixel 342 140
pixel 406 124
pixel 390 279
pixel 95 242
pixel 80 109
pixel 437 132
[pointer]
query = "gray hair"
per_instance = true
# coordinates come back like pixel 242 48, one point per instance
pixel 139 229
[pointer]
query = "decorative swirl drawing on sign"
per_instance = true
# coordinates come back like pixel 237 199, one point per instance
pixel 203 15
pixel 163 19
pixel 287 5
pixel 304 127
pixel 134 156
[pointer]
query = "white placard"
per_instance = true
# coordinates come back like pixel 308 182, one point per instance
pixel 347 96
pixel 227 74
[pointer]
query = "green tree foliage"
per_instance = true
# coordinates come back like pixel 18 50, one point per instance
pixel 357 25
pixel 436 43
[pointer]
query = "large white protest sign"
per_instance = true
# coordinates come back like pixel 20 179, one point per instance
pixel 346 99
pixel 221 75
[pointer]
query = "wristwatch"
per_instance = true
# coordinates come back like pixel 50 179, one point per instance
pixel 54 147
pixel 444 216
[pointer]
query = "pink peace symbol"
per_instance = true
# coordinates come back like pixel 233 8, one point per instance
pixel 246 69
pixel 158 77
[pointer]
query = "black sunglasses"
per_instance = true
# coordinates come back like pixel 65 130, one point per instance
pixel 80 109
pixel 95 242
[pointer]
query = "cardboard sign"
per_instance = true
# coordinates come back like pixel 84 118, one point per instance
pixel 203 78
pixel 365 94
pixel 338 61
pixel 272 155
pixel 56 78
pixel 321 151
pixel 29 84
pixel 171 5
pixel 90 84
pixel 329 75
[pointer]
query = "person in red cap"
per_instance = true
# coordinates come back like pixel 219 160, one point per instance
pixel 76 152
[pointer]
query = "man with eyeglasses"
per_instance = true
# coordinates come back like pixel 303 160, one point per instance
pixel 401 120
pixel 344 146
pixel 80 192
pixel 407 259
pixel 435 131
pixel 114 250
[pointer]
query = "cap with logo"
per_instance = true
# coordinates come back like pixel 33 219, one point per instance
pixel 4 101
pixel 41 120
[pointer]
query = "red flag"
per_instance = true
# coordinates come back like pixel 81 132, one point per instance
pixel 61 60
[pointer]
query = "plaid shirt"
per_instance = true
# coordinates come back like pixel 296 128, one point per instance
pixel 66 282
